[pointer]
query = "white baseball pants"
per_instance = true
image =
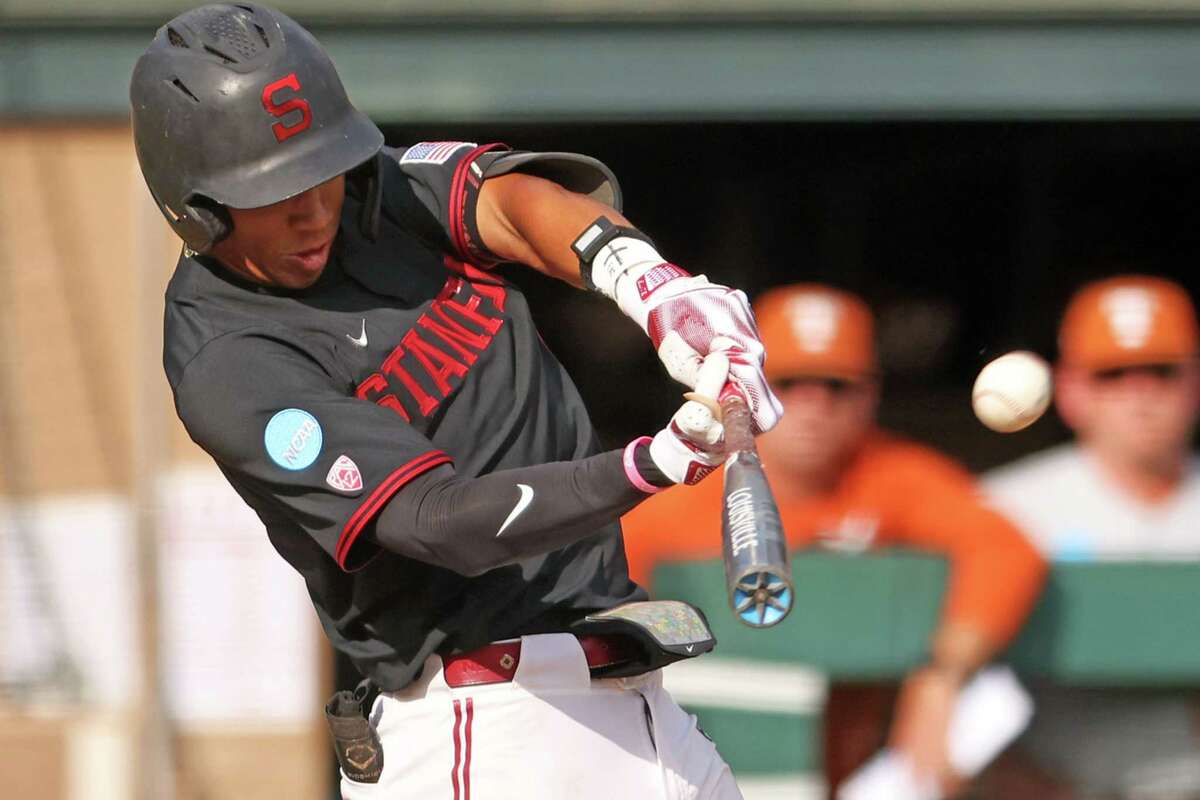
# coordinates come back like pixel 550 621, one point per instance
pixel 552 733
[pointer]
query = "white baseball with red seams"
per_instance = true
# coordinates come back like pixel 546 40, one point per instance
pixel 550 733
pixel 1012 391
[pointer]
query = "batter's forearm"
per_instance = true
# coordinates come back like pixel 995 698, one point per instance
pixel 534 221
pixel 472 525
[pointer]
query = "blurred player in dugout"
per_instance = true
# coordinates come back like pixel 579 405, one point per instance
pixel 1127 488
pixel 845 485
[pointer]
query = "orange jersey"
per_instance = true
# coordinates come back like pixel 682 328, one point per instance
pixel 892 493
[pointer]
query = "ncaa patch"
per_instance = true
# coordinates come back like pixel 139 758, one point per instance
pixel 293 439
pixel 344 475
pixel 432 152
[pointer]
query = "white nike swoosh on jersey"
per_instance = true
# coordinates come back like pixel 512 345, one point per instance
pixel 361 341
pixel 522 503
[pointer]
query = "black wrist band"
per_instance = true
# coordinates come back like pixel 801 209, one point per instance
pixel 594 237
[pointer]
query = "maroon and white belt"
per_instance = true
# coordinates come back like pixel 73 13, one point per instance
pixel 497 663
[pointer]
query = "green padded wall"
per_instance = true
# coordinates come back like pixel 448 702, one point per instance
pixel 854 617
pixel 870 617
pixel 866 617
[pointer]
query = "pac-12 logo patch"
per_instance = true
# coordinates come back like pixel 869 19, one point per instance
pixel 293 439
pixel 344 475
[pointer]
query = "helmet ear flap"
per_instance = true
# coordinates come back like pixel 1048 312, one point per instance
pixel 210 222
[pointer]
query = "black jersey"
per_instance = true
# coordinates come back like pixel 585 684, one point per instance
pixel 319 405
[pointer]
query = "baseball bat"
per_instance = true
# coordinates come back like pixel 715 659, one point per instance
pixel 758 572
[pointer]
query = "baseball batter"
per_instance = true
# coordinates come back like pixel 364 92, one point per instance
pixel 386 406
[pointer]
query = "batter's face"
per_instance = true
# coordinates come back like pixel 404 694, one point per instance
pixel 1142 417
pixel 824 421
pixel 287 243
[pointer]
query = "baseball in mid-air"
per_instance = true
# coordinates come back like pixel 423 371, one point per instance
pixel 1012 391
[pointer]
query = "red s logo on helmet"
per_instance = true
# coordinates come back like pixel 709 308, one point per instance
pixel 284 132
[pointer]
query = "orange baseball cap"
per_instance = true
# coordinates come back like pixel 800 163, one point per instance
pixel 1127 321
pixel 814 330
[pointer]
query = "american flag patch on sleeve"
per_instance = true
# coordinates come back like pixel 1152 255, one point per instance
pixel 432 152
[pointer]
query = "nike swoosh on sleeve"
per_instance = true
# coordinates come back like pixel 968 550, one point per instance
pixel 522 503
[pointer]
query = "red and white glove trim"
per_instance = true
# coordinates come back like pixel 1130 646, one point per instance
pixel 694 318
pixel 679 459
pixel 691 447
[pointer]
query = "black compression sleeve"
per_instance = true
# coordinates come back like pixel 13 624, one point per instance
pixel 471 525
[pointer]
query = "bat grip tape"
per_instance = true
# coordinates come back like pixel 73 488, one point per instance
pixel 735 416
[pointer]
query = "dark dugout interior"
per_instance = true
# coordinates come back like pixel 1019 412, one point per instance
pixel 965 238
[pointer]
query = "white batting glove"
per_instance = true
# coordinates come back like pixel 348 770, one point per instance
pixel 690 447
pixel 686 318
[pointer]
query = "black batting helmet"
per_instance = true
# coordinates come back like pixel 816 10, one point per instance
pixel 239 106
